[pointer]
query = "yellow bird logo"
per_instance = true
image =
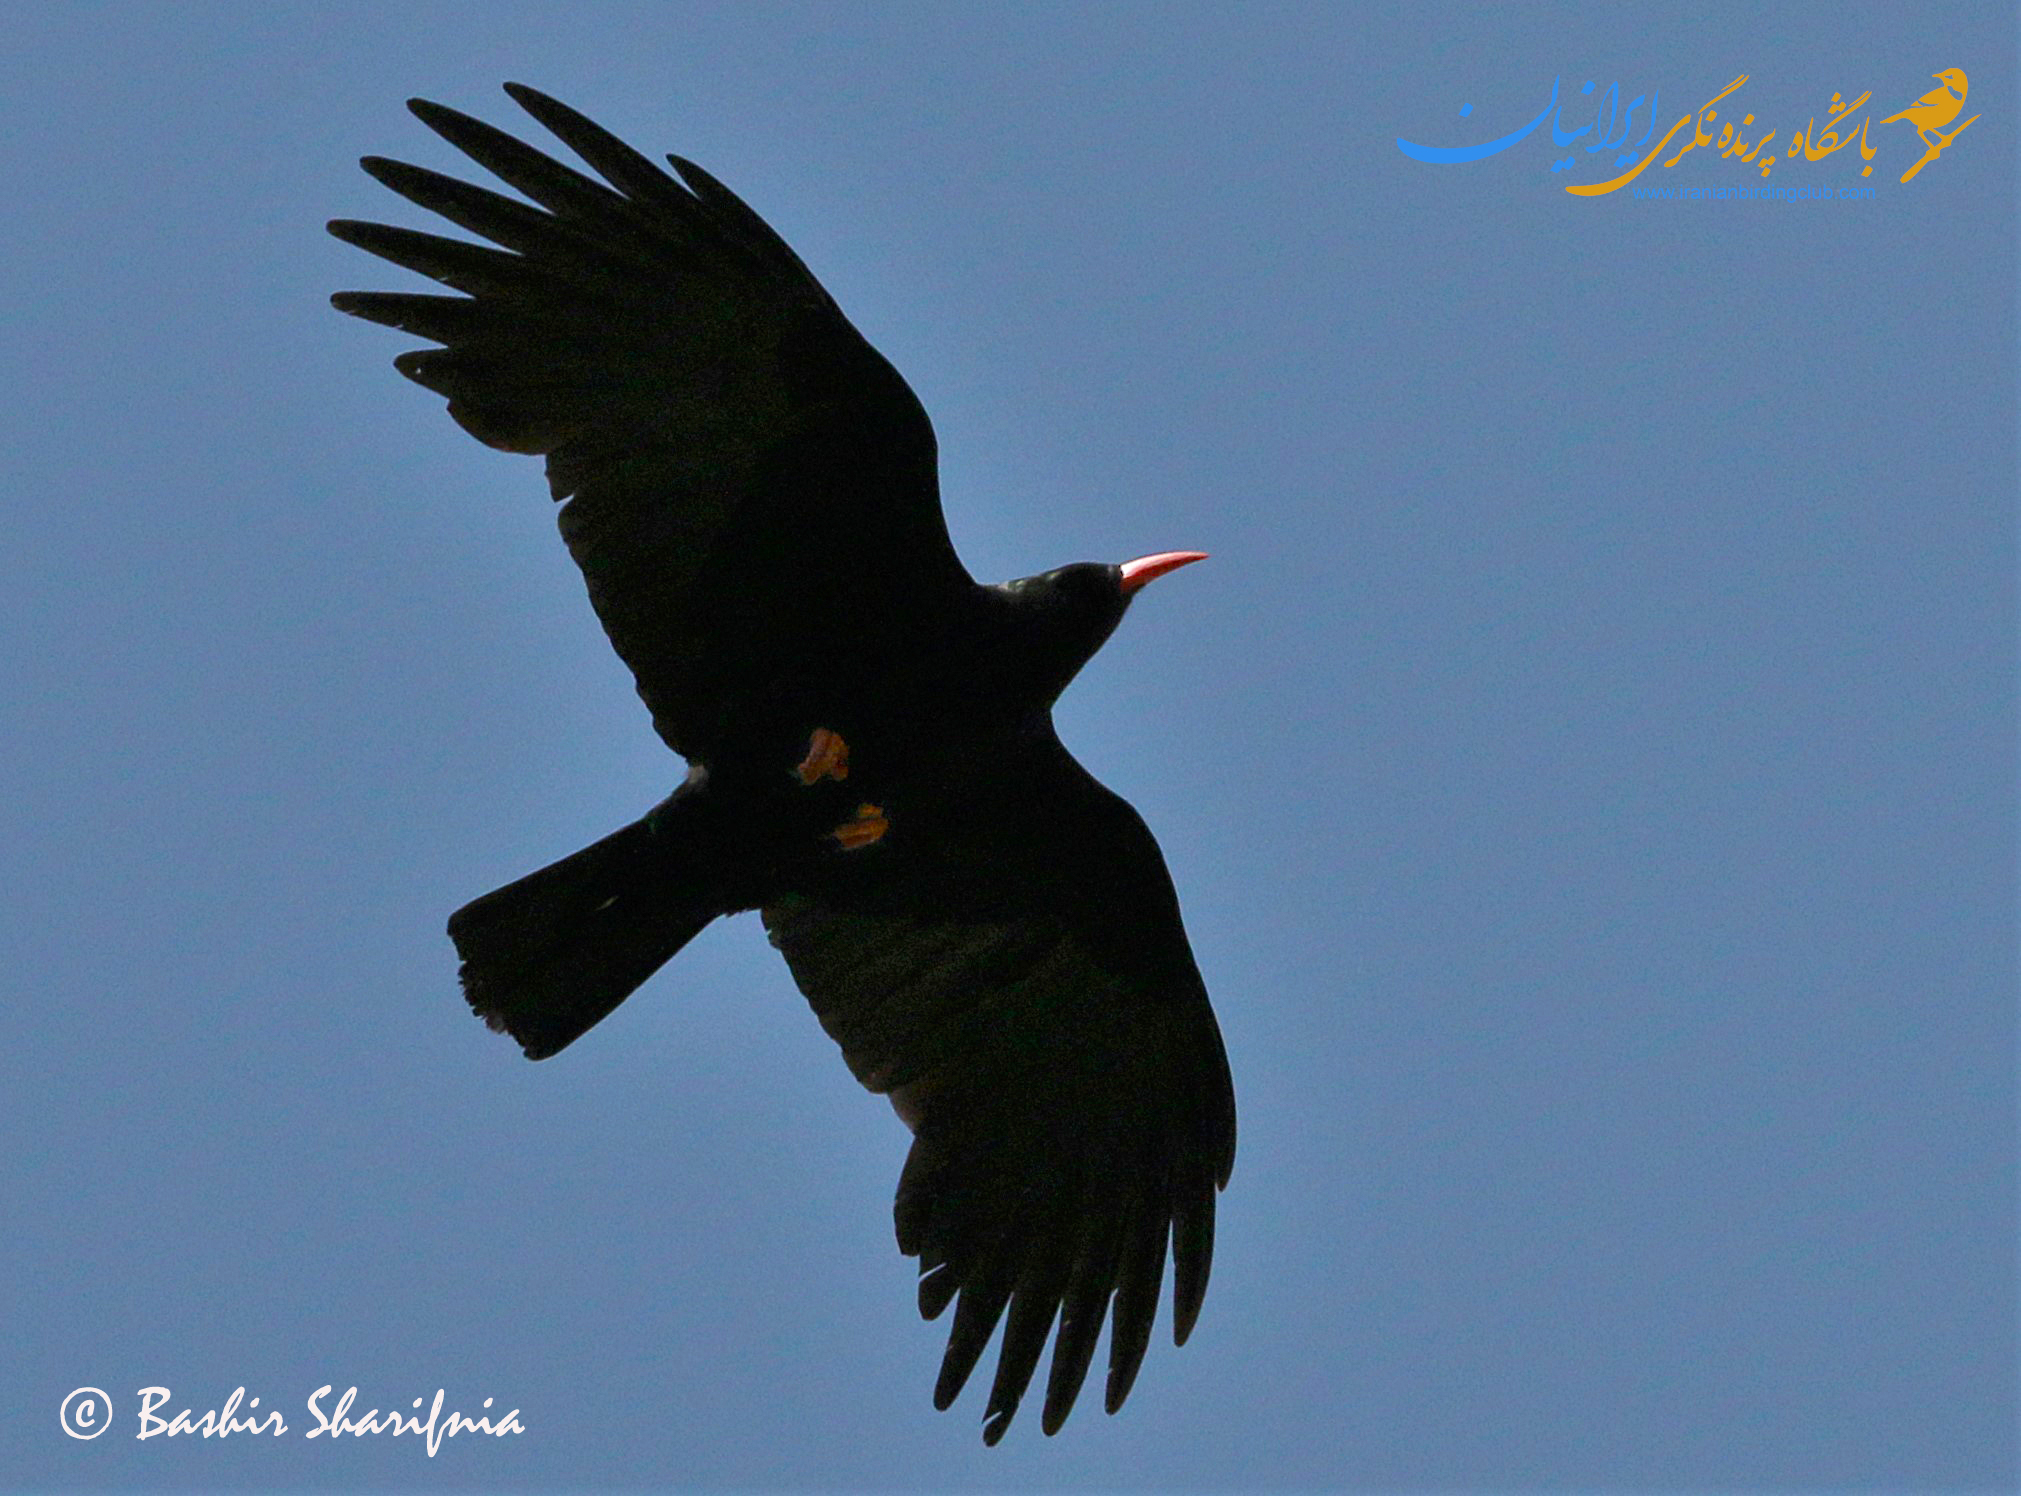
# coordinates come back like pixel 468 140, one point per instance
pixel 1937 108
pixel 1931 113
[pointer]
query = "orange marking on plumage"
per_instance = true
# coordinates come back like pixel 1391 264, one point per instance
pixel 868 826
pixel 827 758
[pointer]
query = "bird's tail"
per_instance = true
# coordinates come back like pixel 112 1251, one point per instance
pixel 548 957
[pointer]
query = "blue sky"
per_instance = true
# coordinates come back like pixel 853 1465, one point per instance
pixel 1587 762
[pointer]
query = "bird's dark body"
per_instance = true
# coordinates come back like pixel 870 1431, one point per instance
pixel 989 935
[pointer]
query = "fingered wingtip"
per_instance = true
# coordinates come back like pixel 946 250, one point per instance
pixel 449 123
pixel 1121 1379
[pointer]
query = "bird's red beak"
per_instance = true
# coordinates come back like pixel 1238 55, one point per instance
pixel 1147 569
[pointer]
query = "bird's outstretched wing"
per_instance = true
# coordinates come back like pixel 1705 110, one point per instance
pixel 753 494
pixel 1025 994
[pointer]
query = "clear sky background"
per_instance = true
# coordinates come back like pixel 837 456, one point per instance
pixel 1588 762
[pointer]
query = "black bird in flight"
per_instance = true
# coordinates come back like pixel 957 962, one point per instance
pixel 988 933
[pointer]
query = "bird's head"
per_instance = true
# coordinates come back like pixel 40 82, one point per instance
pixel 1952 78
pixel 1064 616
